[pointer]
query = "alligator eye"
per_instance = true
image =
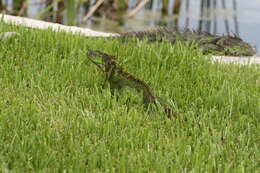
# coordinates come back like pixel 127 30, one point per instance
pixel 239 39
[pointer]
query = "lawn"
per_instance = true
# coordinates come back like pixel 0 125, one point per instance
pixel 56 117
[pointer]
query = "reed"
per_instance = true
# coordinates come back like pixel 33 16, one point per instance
pixel 54 8
pixel 70 11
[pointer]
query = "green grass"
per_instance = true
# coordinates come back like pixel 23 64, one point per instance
pixel 55 117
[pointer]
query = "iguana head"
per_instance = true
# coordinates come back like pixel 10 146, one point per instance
pixel 98 61
pixel 104 61
pixel 228 45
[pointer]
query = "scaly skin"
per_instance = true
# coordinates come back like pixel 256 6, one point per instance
pixel 208 43
pixel 119 79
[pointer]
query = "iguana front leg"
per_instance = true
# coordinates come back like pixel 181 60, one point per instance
pixel 119 79
pixel 108 75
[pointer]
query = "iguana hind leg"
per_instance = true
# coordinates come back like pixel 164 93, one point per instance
pixel 118 79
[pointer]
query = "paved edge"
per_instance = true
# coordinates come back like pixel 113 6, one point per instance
pixel 32 23
pixel 237 60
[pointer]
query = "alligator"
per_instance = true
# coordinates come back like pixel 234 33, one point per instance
pixel 228 45
pixel 119 79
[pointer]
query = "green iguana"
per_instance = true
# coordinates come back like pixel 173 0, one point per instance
pixel 208 43
pixel 119 79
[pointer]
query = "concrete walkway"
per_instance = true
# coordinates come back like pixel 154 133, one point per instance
pixel 237 60
pixel 32 23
